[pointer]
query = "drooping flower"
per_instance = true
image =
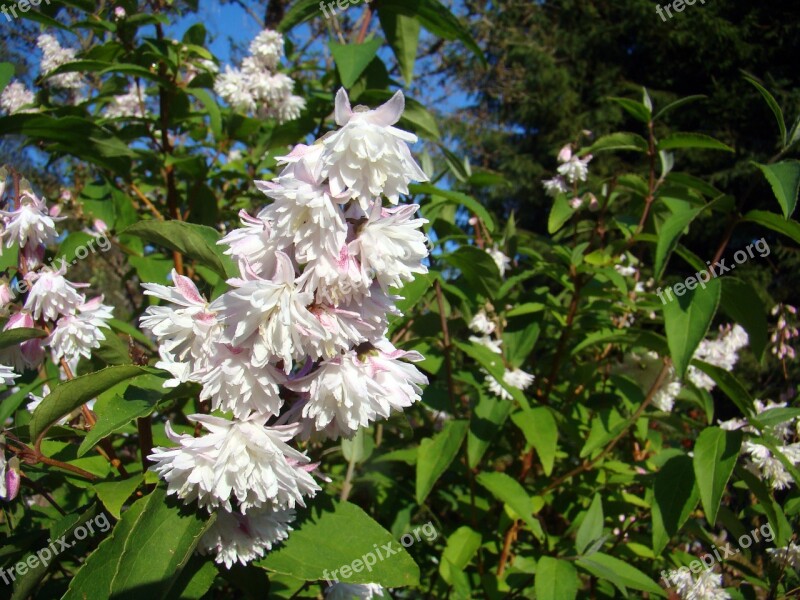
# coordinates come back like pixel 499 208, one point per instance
pixel 235 537
pixel 480 323
pixel 267 48
pixel 722 352
pixel 368 157
pixel 9 474
pixel 501 260
pixel 516 378
pixel 30 223
pixel 573 167
pixel 78 334
pixel 787 556
pixel 555 186
pixel 241 462
pixel 53 295
pixel 7 375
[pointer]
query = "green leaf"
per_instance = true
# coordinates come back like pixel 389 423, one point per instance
pixel 6 73
pixel 14 337
pixel 540 430
pixel 559 214
pixel 195 580
pixel 468 202
pixel 336 536
pixel 462 545
pixel 636 109
pixel 69 395
pixel 555 579
pixel 478 269
pixel 618 141
pixel 413 291
pixel 402 33
pixel 788 227
pixel 784 177
pixel 729 385
pixel 741 302
pixel 591 528
pixel 620 573
pixel 212 108
pixel 677 104
pixel 687 319
pixel 435 455
pixel 509 491
pixel 671 232
pixel 487 419
pixel 773 106
pixel 780 525
pixel 352 59
pixel 436 18
pixel 675 497
pixel 676 141
pixel 114 494
pixel 715 455
pixel 299 12
pixel 196 242
pixel 118 412
pixel 146 551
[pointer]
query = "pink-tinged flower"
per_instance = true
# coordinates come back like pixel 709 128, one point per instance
pixel 78 334
pixel 29 354
pixel 9 474
pixel 254 245
pixel 565 154
pixel 240 462
pixel 391 245
pixel 304 214
pixel 555 186
pixel 243 538
pixel 52 295
pixel 574 168
pixel 269 316
pixel 185 330
pixel 348 392
pixel 30 223
pixel 234 384
pixel 368 157
pixel 119 13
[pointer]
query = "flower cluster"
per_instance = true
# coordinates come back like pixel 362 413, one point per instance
pixel 516 377
pixel 573 170
pixel 129 104
pixel 707 586
pixel 16 98
pixel 54 56
pixel 297 348
pixel 721 352
pixel 787 556
pixel 257 87
pixel 761 461
pixel 53 303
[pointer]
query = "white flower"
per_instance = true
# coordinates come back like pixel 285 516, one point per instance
pixel 119 13
pixel 76 335
pixel 267 48
pixel 243 538
pixel 351 591
pixel 707 586
pixel 787 556
pixel 240 461
pixel 7 375
pixel 722 352
pixel 28 354
pixel 16 97
pixel 181 371
pixel 480 323
pixel 253 246
pixel 125 105
pixel 392 246
pixel 186 331
pixel 30 223
pixel 574 168
pixel 489 342
pixel 303 214
pixel 554 187
pixel 269 316
pixel 234 88
pixel 289 108
pixel 369 157
pixel 53 56
pixel 500 259
pixel 516 378
pixel 235 385
pixel 349 392
pixel 52 295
